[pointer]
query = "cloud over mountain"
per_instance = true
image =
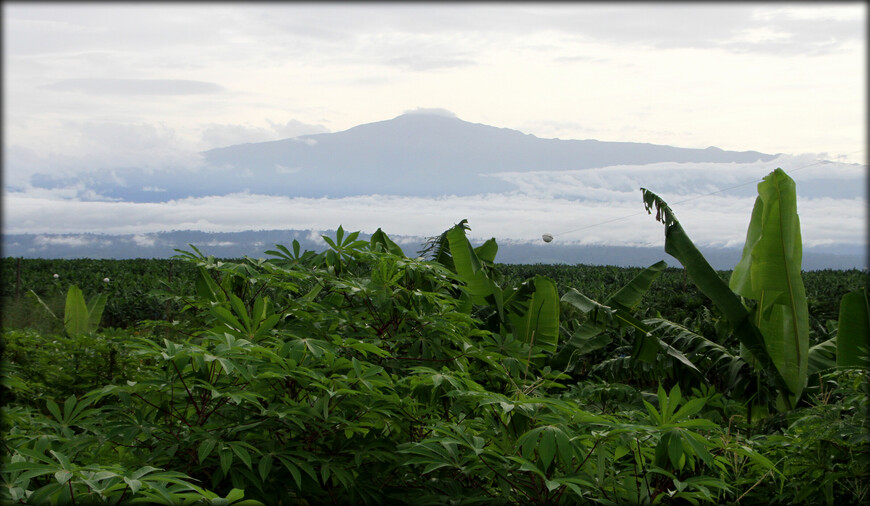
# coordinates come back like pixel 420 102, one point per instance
pixel 421 172
pixel 424 153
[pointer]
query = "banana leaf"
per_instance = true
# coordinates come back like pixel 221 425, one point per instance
pixel 770 273
pixel 853 334
pixel 380 239
pixel 539 323
pixel 468 265
pixel 616 312
pixel 678 245
pixel 822 357
pixel 75 315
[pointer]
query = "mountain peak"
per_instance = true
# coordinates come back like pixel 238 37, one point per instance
pixel 430 111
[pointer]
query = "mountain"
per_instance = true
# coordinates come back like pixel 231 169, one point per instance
pixel 411 155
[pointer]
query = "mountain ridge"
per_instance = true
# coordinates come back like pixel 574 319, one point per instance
pixel 422 155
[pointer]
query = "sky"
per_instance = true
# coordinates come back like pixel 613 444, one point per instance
pixel 149 86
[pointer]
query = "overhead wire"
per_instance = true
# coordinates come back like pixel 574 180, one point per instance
pixel 757 180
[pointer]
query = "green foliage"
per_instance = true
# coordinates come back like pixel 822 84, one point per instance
pixel 853 334
pixel 770 274
pixel 361 376
pixel 774 334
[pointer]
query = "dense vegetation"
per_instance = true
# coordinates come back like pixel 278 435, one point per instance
pixel 360 375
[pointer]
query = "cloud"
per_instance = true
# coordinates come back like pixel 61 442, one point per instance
pixel 44 242
pixel 437 111
pixel 428 62
pixel 738 28
pixel 215 242
pixel 714 220
pixel 144 240
pixel 218 136
pixel 135 86
pixel 98 149
pixel 296 128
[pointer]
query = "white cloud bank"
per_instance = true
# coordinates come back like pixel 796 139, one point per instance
pixel 593 207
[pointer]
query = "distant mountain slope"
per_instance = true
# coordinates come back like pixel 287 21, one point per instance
pixel 429 155
pixel 410 155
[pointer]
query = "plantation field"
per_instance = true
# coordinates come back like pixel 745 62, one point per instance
pixel 135 286
pixel 358 375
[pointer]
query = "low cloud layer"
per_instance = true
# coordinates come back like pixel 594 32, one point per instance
pixel 593 207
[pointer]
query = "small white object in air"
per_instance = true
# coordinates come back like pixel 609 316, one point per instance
pixel 547 237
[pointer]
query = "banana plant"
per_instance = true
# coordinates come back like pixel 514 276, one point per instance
pixel 79 317
pixel 850 347
pixel 529 310
pixel 616 313
pixel 853 331
pixel 774 333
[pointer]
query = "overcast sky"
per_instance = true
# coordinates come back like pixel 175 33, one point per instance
pixel 151 85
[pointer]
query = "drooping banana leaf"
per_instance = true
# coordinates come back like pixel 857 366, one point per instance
pixel 822 357
pixel 678 245
pixel 437 248
pixel 770 273
pixel 853 334
pixel 629 296
pixel 616 311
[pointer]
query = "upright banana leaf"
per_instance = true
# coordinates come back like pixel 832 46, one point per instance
pixel 96 306
pixel 770 273
pixel 380 239
pixel 80 317
pixel 530 310
pixel 853 334
pixel 678 245
pixel 468 265
pixel 539 324
pixel 75 314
